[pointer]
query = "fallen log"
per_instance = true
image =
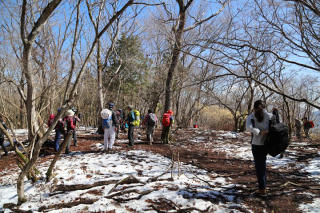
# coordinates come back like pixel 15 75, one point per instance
pixel 69 204
pixel 67 188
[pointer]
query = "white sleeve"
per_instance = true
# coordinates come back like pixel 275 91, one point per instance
pixel 249 126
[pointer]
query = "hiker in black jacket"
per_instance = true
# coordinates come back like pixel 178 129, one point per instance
pixel 2 137
pixel 130 119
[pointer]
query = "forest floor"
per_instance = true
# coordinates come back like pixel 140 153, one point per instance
pixel 223 176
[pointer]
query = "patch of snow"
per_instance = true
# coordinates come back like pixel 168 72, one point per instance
pixel 187 188
pixel 313 168
pixel 311 207
pixel 229 135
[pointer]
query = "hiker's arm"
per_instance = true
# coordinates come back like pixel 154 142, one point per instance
pixel 72 124
pixel 77 118
pixel 250 128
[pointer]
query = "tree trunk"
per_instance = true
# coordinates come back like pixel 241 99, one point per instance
pixel 56 157
pixel 100 87
pixel 174 60
pixel 99 74
pixel 236 123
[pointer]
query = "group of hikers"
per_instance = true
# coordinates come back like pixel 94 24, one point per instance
pixel 65 125
pixel 261 124
pixel 113 121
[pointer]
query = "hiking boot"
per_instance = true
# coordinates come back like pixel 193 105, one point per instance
pixel 260 192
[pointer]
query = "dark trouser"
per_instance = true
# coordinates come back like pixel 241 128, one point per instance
pixel 57 140
pixel 260 157
pixel 2 145
pixel 150 130
pixel 74 135
pixel 117 132
pixel 306 132
pixel 298 132
pixel 68 144
pixel 165 134
pixel 130 135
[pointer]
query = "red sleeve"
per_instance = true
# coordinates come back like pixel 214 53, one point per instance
pixel 71 123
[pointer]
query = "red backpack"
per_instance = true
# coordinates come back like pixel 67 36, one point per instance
pixel 311 124
pixel 166 119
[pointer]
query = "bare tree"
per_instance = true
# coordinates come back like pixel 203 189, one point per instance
pixel 27 41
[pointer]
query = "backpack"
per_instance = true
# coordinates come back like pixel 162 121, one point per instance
pixel 310 124
pixel 166 119
pixel 152 120
pixel 106 123
pixel 278 139
pixel 136 121
pixel 67 123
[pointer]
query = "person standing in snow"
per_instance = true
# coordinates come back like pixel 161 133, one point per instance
pixel 258 124
pixel 2 137
pixel 150 121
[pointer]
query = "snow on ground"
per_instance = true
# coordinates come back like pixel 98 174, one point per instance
pixel 311 207
pixel 186 190
pixel 314 168
pixel 188 186
pixel 242 150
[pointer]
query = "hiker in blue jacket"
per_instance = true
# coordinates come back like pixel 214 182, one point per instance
pixel 59 129
pixel 258 124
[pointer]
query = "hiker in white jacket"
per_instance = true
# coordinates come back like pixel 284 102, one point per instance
pixel 110 125
pixel 258 124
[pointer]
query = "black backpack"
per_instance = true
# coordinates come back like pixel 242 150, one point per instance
pixel 278 138
pixel 151 120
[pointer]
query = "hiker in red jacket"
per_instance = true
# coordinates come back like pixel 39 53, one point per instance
pixel 307 125
pixel 167 121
